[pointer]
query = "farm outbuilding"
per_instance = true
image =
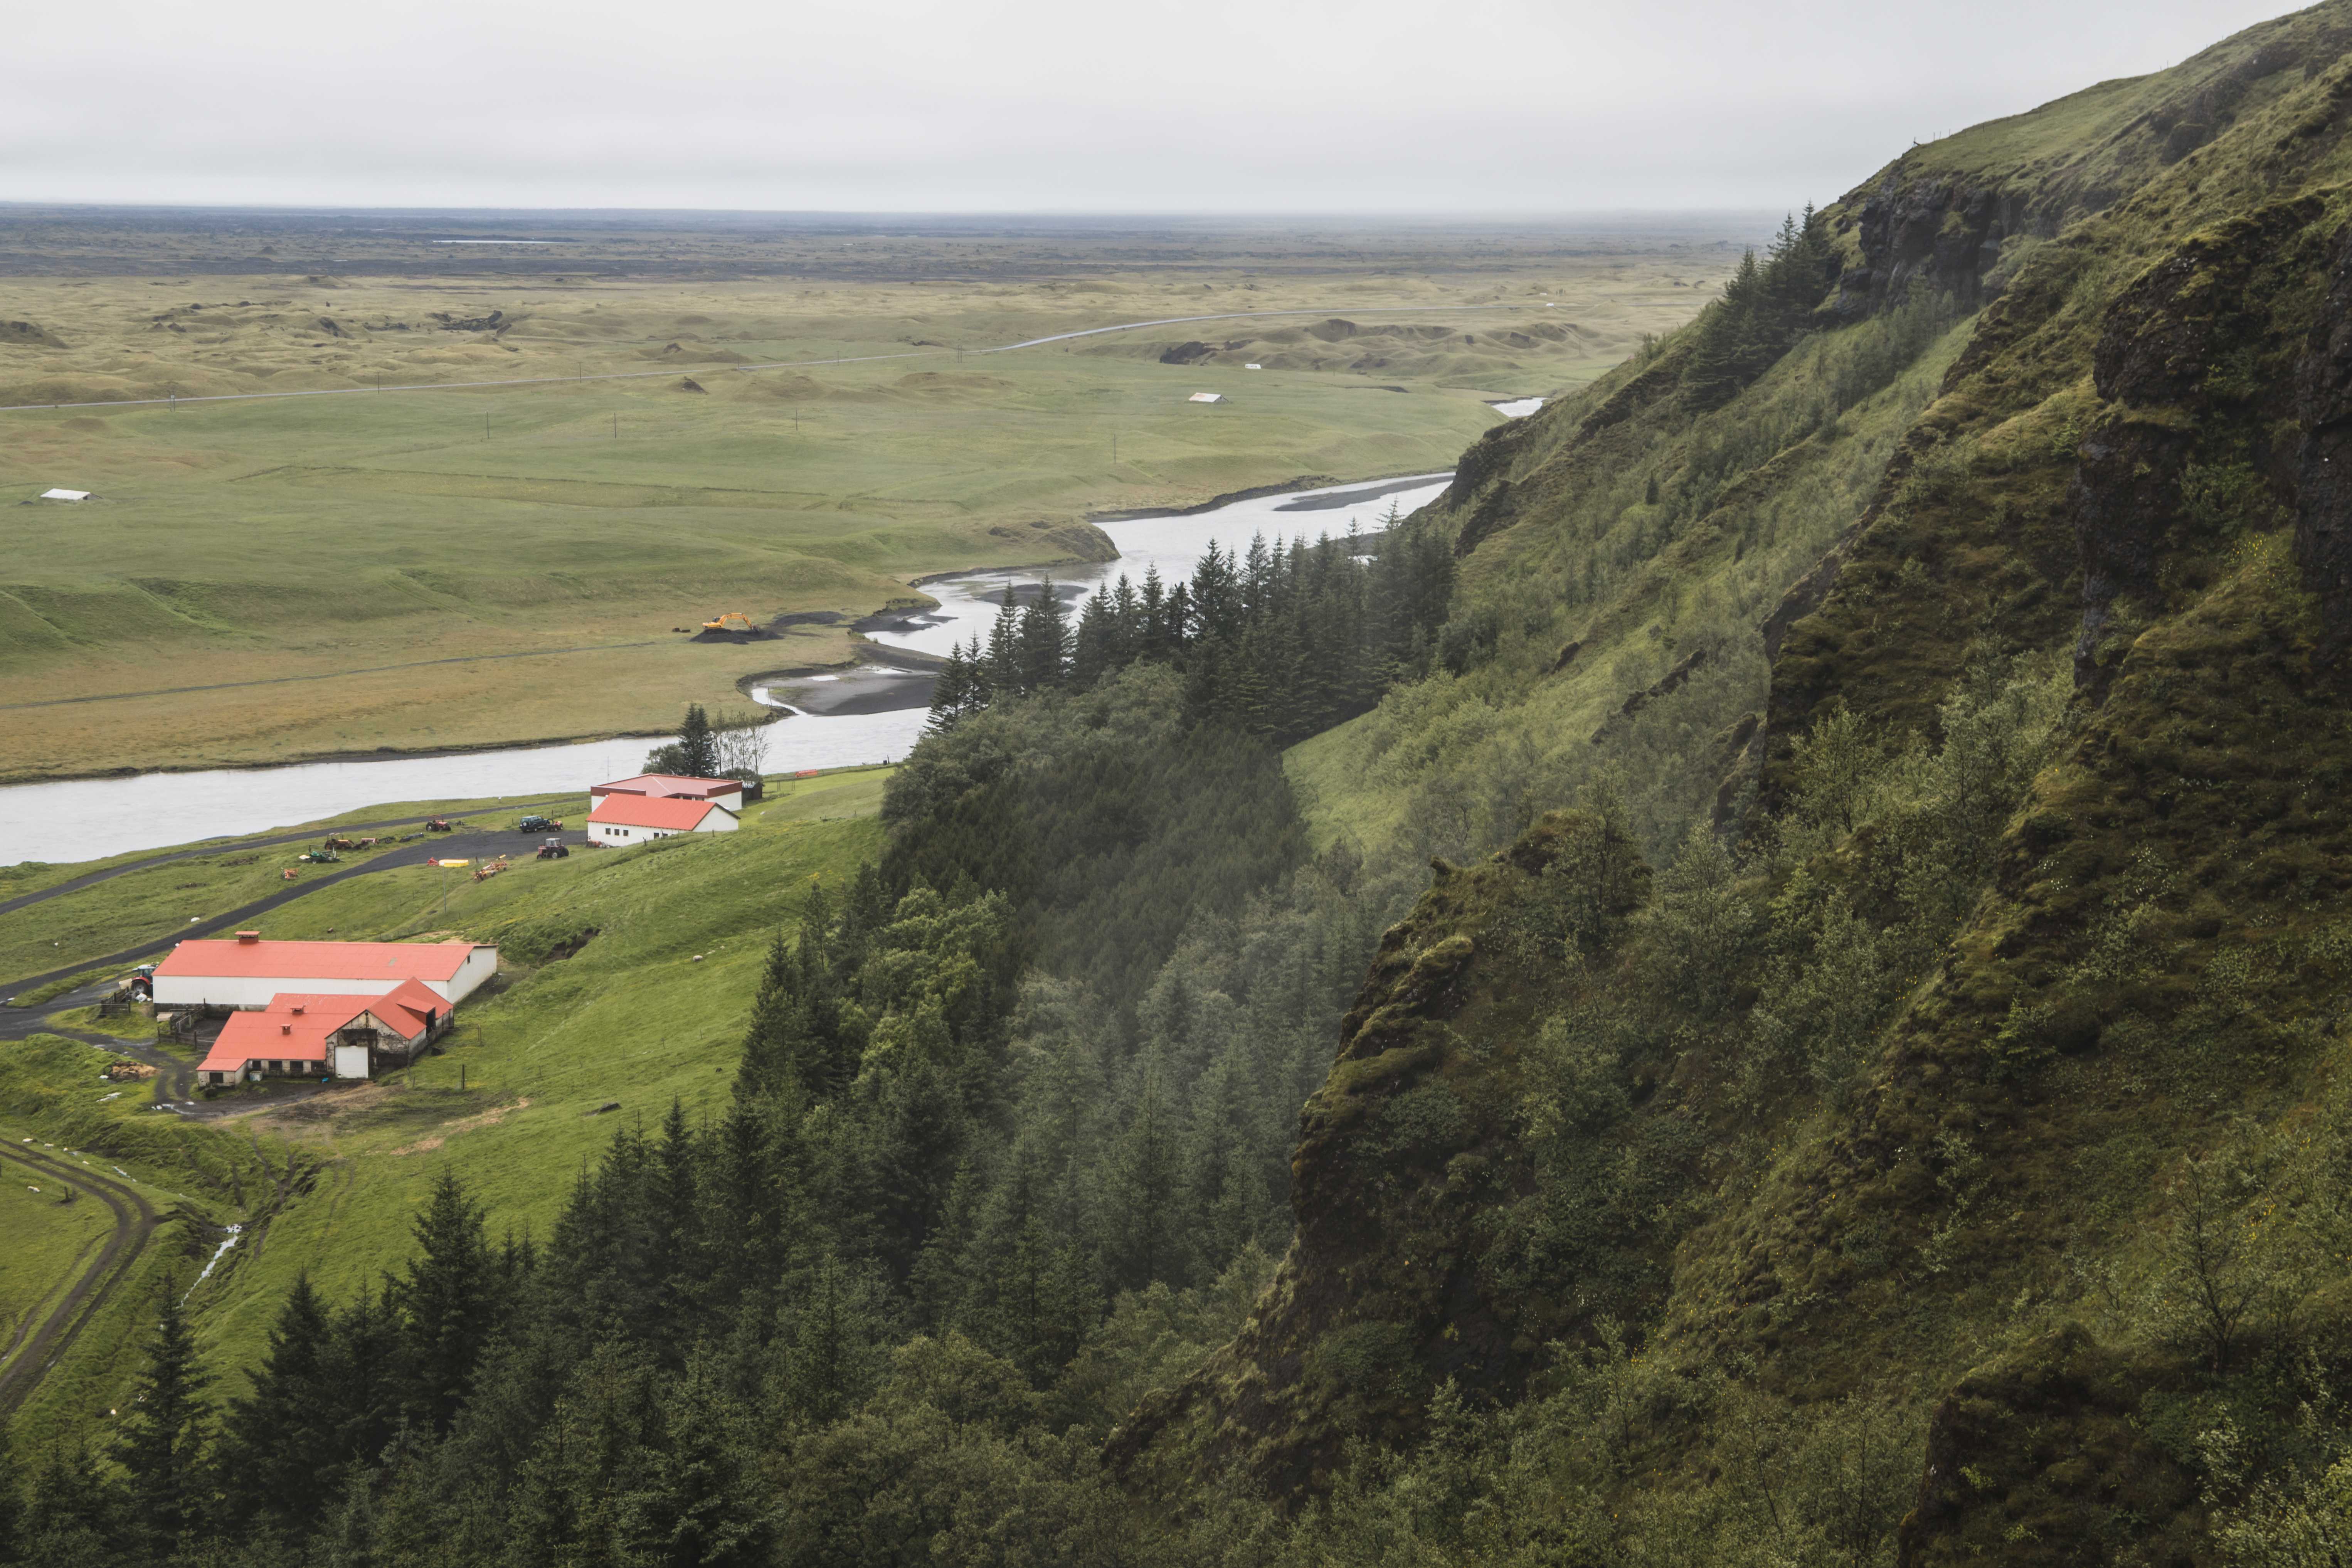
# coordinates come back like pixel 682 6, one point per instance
pixel 65 495
pixel 620 820
pixel 310 1035
pixel 248 972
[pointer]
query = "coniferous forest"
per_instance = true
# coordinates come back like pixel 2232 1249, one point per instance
pixel 1280 642
pixel 1764 983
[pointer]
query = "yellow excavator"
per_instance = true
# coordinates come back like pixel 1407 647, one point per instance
pixel 732 621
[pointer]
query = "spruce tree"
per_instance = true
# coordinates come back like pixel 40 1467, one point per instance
pixel 1005 648
pixel 1094 650
pixel 697 748
pixel 278 1435
pixel 447 1305
pixel 363 1373
pixel 951 692
pixel 77 1512
pixel 162 1439
pixel 1044 641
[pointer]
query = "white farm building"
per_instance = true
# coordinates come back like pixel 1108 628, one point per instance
pixel 246 972
pixel 620 820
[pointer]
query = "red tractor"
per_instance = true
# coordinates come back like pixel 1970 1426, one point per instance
pixel 439 825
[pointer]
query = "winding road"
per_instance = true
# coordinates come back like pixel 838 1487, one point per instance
pixel 35 1349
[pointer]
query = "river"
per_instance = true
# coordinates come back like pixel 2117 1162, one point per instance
pixel 88 820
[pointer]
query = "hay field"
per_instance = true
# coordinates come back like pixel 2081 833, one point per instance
pixel 497 563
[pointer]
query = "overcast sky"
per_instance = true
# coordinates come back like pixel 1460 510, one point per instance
pixel 1216 106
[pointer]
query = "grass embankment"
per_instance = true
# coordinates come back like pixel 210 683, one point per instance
pixel 508 564
pixel 648 1008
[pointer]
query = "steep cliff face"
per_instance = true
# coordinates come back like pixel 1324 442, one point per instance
pixel 2135 468
pixel 1959 216
pixel 1405 1157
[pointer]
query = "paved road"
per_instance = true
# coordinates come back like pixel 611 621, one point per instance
pixel 229 846
pixel 135 1220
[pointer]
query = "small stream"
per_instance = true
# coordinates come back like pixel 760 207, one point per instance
pixel 212 1262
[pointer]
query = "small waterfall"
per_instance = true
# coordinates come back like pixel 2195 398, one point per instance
pixel 219 1252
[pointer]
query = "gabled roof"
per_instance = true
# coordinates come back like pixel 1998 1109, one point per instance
pixel 648 810
pixel 293 1028
pixel 407 1008
pixel 297 1025
pixel 665 785
pixel 390 962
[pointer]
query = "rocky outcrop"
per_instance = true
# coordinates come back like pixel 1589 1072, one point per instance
pixel 1939 232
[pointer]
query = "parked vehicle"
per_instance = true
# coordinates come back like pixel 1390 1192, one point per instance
pixel 553 850
pixel 439 825
pixel 539 824
pixel 321 858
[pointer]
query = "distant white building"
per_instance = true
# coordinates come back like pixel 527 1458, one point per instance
pixel 1208 397
pixel 65 495
pixel 621 820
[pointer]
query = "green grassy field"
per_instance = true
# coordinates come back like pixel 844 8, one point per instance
pixel 649 1010
pixel 50 1243
pixel 502 564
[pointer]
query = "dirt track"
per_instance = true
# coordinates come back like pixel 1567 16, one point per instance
pixel 135 1221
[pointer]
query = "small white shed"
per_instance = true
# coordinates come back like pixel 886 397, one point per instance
pixel 65 495
pixel 1208 397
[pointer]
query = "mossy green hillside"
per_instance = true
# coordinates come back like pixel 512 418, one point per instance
pixel 1950 1141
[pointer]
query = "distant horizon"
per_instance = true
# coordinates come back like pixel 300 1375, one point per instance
pixel 1041 107
pixel 1038 216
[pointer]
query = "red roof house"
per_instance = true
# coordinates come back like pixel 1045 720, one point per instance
pixel 620 820
pixel 309 1034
